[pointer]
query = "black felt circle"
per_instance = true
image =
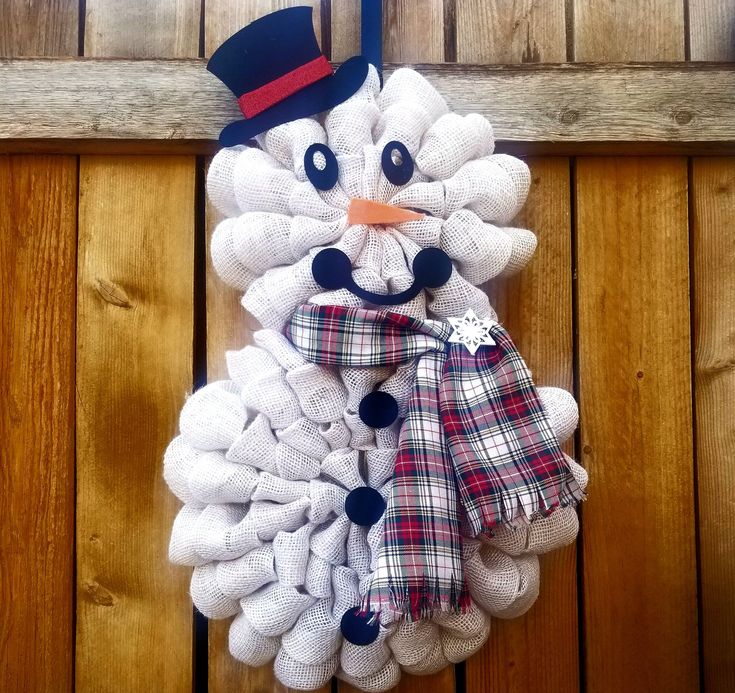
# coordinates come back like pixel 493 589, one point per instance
pixel 356 627
pixel 364 506
pixel 324 178
pixel 378 409
pixel 432 267
pixel 398 174
pixel 331 269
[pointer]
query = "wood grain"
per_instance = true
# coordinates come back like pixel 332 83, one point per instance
pixel 628 30
pixel 523 31
pixel 711 30
pixel 39 27
pixel 413 30
pixel 134 366
pixel 539 651
pixel 142 28
pixel 345 29
pixel 713 253
pixel 38 210
pixel 180 100
pixel 37 265
pixel 640 598
pixel 134 362
pixel 222 18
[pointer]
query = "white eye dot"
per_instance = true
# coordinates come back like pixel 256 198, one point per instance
pixel 320 161
pixel 396 157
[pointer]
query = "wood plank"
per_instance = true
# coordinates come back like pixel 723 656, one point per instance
pixel 539 651
pixel 711 26
pixel 134 362
pixel 39 27
pixel 524 31
pixel 413 30
pixel 713 246
pixel 135 315
pixel 640 600
pixel 345 29
pixel 38 215
pixel 179 100
pixel 711 30
pixel 142 28
pixel 628 30
pixel 37 264
pixel 230 327
pixel 222 18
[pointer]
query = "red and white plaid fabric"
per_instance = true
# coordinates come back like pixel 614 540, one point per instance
pixel 475 432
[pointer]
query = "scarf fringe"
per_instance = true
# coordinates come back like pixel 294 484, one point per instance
pixel 517 510
pixel 417 600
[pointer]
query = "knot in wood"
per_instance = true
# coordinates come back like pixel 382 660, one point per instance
pixel 683 117
pixel 569 116
pixel 112 293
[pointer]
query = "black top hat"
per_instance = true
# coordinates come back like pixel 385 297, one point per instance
pixel 275 68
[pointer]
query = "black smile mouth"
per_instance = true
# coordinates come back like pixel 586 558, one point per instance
pixel 332 270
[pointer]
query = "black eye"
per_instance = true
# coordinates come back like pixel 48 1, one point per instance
pixel 321 170
pixel 397 163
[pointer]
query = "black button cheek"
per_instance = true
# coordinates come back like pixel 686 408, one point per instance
pixel 378 409
pixel 432 268
pixel 331 269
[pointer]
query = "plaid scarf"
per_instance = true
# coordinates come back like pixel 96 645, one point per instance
pixel 475 431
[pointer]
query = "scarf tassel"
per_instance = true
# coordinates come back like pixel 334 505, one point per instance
pixel 518 510
pixel 421 600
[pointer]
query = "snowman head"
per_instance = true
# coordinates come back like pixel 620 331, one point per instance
pixel 387 199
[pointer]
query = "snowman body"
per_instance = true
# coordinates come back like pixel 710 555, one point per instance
pixel 269 462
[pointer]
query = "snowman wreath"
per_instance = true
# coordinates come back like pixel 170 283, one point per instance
pixel 378 476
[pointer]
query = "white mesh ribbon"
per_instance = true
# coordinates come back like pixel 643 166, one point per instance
pixel 264 460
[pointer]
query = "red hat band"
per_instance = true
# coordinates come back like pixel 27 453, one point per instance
pixel 258 100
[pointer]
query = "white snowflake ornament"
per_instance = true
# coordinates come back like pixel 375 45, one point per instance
pixel 471 331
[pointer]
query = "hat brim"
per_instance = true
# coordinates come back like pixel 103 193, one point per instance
pixel 317 97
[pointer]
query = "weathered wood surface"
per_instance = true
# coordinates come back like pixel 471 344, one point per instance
pixel 171 100
pixel 39 27
pixel 712 30
pixel 628 30
pixel 713 253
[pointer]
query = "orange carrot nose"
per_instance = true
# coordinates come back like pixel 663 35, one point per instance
pixel 376 213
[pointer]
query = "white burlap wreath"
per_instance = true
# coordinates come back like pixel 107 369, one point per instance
pixel 265 460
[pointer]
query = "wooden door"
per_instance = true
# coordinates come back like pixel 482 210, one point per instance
pixel 630 302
